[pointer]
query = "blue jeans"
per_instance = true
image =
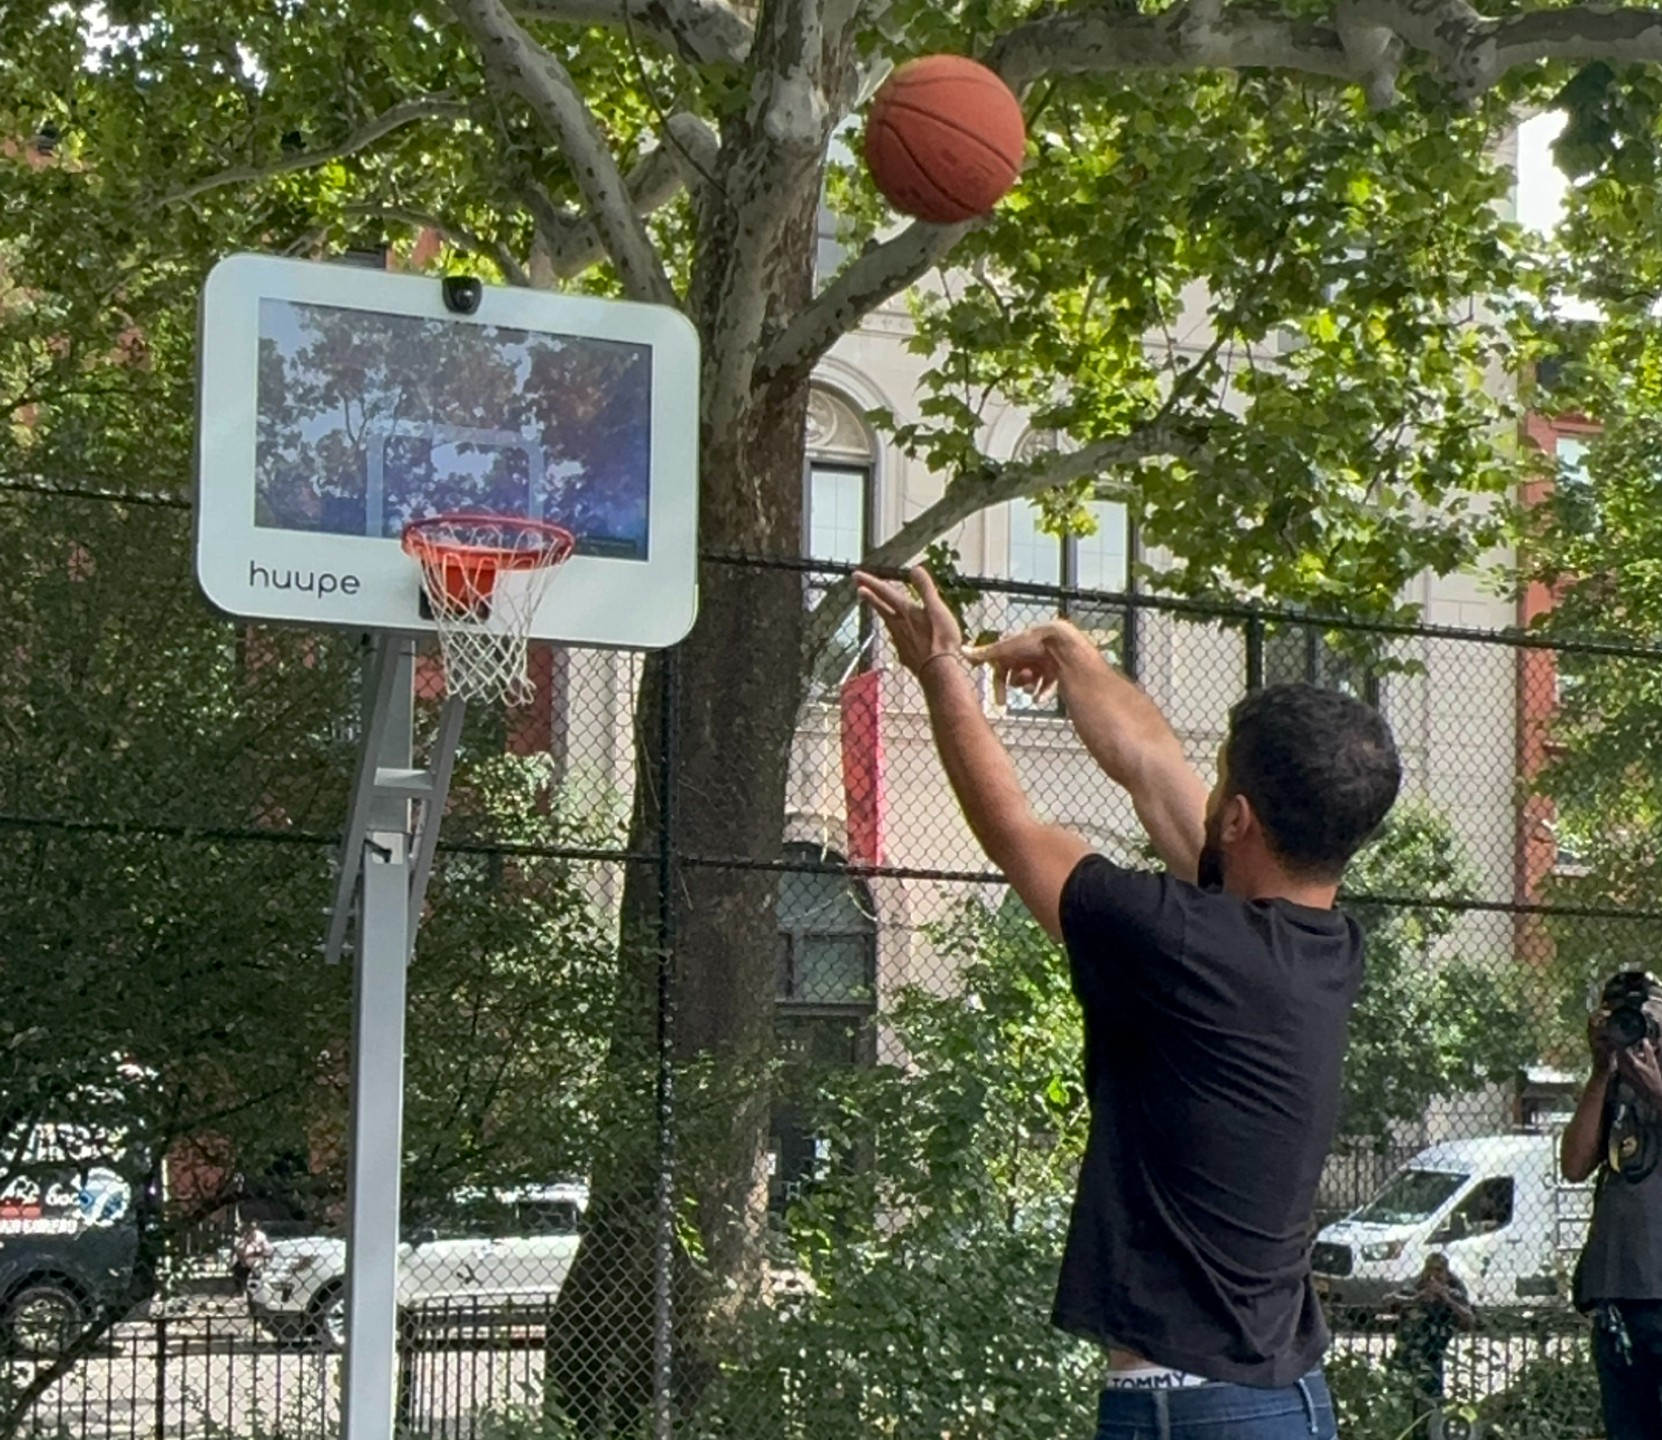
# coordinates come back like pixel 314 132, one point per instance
pixel 1303 1411
pixel 1627 1352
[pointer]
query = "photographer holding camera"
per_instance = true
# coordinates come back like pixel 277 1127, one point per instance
pixel 1432 1309
pixel 1617 1131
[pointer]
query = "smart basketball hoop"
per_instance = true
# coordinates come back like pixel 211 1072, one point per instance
pixel 483 577
pixel 482 414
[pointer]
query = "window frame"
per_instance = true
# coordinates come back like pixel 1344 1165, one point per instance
pixel 1068 606
pixel 786 1131
pixel 1490 1183
pixel 843 462
pixel 1311 668
pixel 791 938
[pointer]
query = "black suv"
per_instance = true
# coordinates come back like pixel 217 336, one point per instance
pixel 51 1284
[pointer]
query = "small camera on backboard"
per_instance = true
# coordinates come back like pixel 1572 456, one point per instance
pixel 462 294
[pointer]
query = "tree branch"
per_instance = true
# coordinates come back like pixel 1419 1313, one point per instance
pixel 379 128
pixel 571 240
pixel 515 61
pixel 704 32
pixel 1477 51
pixel 884 271
pixel 1362 45
pixel 969 494
pixel 1199 35
pixel 694 146
pixel 1365 45
pixel 457 235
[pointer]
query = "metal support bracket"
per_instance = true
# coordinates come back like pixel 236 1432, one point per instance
pixel 388 788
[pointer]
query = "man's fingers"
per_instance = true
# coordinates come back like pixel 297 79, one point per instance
pixel 924 583
pixel 882 595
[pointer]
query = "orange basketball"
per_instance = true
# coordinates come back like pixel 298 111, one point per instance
pixel 945 139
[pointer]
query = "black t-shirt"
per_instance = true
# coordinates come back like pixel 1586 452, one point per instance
pixel 1622 1259
pixel 1215 1028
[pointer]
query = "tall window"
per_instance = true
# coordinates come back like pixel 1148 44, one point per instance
pixel 825 993
pixel 1295 653
pixel 838 521
pixel 1098 561
pixel 1571 454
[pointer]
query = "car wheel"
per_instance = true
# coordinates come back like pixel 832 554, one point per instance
pixel 326 1317
pixel 44 1317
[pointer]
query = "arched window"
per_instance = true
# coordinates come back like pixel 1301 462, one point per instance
pixel 825 991
pixel 827 965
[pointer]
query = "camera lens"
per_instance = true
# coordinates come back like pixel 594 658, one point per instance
pixel 1626 1026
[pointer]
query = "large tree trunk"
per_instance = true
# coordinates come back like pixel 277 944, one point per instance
pixel 738 686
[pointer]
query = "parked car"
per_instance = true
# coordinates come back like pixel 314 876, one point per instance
pixel 1495 1205
pixel 494 1252
pixel 52 1283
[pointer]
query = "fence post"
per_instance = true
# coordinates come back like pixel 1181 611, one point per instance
pixel 1255 651
pixel 663 1258
pixel 161 1375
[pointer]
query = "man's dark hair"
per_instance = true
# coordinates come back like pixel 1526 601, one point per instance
pixel 1320 770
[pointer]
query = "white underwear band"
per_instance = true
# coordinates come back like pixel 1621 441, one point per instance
pixel 1152 1377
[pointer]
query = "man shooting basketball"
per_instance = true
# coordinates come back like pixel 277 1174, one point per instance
pixel 1216 996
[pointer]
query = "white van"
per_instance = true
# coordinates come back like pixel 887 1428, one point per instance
pixel 1495 1205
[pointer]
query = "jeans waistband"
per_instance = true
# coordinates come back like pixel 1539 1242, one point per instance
pixel 1167 1411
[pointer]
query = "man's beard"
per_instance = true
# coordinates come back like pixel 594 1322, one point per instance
pixel 1209 871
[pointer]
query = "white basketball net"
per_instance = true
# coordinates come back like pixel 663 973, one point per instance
pixel 484 577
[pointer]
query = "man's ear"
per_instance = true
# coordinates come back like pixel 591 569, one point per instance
pixel 1237 820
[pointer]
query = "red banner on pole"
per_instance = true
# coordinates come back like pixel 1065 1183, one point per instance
pixel 863 791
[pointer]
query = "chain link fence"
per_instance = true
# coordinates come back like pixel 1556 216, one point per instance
pixel 845 1219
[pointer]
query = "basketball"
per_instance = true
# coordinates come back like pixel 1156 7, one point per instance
pixel 945 139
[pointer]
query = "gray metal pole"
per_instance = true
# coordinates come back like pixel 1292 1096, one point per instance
pixel 663 1250
pixel 376 1158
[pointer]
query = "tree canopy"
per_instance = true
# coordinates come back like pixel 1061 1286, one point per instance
pixel 1258 272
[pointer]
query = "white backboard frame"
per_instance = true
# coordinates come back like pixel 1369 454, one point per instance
pixel 368 583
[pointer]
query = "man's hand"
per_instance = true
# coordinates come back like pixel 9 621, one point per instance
pixel 1026 659
pixel 1642 1070
pixel 1036 858
pixel 1598 1042
pixel 921 631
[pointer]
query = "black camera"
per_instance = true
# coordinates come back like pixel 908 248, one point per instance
pixel 1629 1023
pixel 462 293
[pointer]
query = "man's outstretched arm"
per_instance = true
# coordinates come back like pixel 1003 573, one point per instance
pixel 1034 857
pixel 1121 727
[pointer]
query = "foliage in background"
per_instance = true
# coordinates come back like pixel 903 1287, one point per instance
pixel 1595 539
pixel 1551 1397
pixel 163 994
pixel 1596 543
pixel 1434 1021
pixel 933 1265
pixel 510 996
